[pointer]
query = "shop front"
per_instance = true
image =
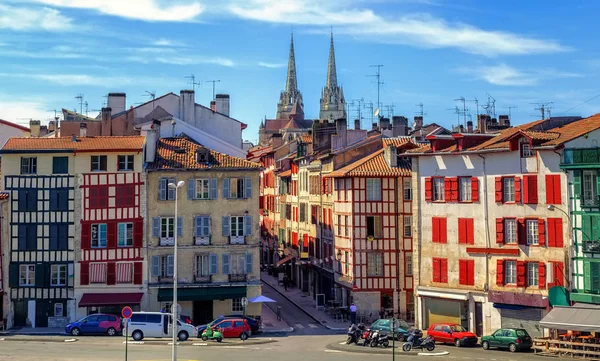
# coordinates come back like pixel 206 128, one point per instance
pixel 443 306
pixel 110 303
pixel 519 310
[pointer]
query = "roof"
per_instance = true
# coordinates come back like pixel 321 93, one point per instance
pixel 3 196
pixel 373 165
pixel 277 124
pixel 90 144
pixel 306 138
pixel 14 125
pixel 575 130
pixel 292 124
pixel 180 153
pixel 285 173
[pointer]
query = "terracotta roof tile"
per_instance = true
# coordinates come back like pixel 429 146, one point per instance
pixel 20 144
pixel 306 138
pixel 3 196
pixel 537 135
pixel 396 141
pixel 180 153
pixel 575 130
pixel 373 165
pixel 493 143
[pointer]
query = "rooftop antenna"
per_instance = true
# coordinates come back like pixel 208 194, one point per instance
pixel 390 109
pixel 56 117
pixel 213 82
pixel 464 111
pixel 86 108
pixel 379 82
pixel 510 108
pixel 105 101
pixel 420 112
pixel 79 97
pixel 476 101
pixel 543 108
pixel 153 96
pixel 456 111
pixel 192 80
pixel 369 106
pixel 358 103
pixel 490 106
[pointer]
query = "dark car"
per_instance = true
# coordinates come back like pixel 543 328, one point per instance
pixel 98 324
pixel 514 339
pixel 253 323
pixel 385 324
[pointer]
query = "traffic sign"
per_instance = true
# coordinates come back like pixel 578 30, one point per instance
pixel 126 312
pixel 354 288
pixel 244 302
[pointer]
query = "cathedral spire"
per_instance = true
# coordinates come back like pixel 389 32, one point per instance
pixel 291 84
pixel 333 104
pixel 331 71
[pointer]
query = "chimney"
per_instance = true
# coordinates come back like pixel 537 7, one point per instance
pixel 106 120
pixel 356 124
pixel 341 130
pixel 187 106
pixel 34 128
pixel 222 104
pixel 82 129
pixel 213 105
pixel 374 126
pixel 399 126
pixel 470 126
pixel 482 121
pixel 276 140
pixel 51 126
pixel 418 123
pixel 503 120
pixel 384 123
pixel 152 137
pixel 74 138
pixel 391 156
pixel 116 101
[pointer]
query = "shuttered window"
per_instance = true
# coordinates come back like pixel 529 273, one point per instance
pixel 440 270
pixel 439 231
pixel 553 189
pixel 530 189
pixel 466 272
pixel 465 231
pixel 510 272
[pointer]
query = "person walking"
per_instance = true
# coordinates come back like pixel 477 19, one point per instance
pixel 352 313
pixel 285 282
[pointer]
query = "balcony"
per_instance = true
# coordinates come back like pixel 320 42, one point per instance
pixel 237 240
pixel 238 278
pixel 591 247
pixel 581 158
pixel 202 240
pixel 202 278
pixel 590 201
pixel 167 241
pixel 165 279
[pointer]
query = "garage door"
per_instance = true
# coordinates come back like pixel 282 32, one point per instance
pixel 527 318
pixel 438 311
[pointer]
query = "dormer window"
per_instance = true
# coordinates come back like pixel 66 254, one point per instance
pixel 526 150
pixel 202 155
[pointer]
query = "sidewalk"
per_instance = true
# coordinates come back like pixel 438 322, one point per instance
pixel 270 324
pixel 305 303
pixel 30 331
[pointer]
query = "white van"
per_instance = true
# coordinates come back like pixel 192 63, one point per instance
pixel 157 324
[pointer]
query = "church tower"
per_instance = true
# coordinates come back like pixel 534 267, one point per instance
pixel 333 104
pixel 290 101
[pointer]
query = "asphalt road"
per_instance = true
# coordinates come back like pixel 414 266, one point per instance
pixel 289 348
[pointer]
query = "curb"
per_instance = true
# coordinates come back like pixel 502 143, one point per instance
pixel 303 310
pixel 285 330
pixel 200 343
pixel 30 339
pixel 341 346
pixel 9 334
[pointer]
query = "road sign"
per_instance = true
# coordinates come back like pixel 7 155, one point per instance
pixel 354 288
pixel 126 312
pixel 244 302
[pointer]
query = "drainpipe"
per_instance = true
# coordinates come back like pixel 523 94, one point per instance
pixel 399 186
pixel 486 286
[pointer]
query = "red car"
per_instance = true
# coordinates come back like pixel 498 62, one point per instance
pixel 234 327
pixel 452 333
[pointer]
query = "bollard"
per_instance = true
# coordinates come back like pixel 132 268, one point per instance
pixel 278 313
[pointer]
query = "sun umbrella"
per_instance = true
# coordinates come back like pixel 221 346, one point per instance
pixel 261 298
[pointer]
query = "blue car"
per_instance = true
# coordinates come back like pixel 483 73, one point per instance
pixel 386 325
pixel 97 324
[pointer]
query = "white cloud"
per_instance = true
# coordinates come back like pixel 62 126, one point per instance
pixel 91 80
pixel 33 19
pixel 506 75
pixel 56 52
pixel 194 60
pixel 168 42
pixel 14 111
pixel 147 10
pixel 272 65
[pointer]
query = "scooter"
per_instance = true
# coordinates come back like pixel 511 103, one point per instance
pixel 366 336
pixel 415 340
pixel 354 333
pixel 379 338
pixel 212 334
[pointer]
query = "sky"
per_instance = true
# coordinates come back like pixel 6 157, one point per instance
pixel 520 53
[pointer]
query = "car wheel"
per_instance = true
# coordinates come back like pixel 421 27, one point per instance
pixel 137 335
pixel 75 331
pixel 457 342
pixel 111 331
pixel 485 345
pixel 182 336
pixel 243 336
pixel 512 347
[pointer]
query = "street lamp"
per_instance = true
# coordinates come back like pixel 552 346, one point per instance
pixel 175 305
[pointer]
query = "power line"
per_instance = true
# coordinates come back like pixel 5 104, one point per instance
pixel 587 101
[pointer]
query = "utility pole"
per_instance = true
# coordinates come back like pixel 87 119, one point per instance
pixel 379 82
pixel 213 83
pixel 79 97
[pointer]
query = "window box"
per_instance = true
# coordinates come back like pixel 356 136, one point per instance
pixel 202 240
pixel 167 241
pixel 237 240
pixel 202 278
pixel 238 278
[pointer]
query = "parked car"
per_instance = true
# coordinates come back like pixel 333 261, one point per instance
pixel 253 323
pixel 234 327
pixel 186 319
pixel 157 324
pixel 514 339
pixel 385 324
pixel 98 324
pixel 452 333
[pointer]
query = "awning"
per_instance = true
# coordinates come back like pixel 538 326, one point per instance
pixel 288 258
pixel 581 317
pixel 201 293
pixel 110 299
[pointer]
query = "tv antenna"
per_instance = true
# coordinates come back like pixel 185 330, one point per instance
pixel 105 101
pixel 544 108
pixel 510 108
pixel 420 112
pixel 358 103
pixel 476 101
pixel 464 110
pixel 379 82
pixel 213 83
pixel 152 95
pixel 79 97
pixel 369 106
pixel 389 109
pixel 456 111
pixel 86 105
pixel 490 106
pixel 192 80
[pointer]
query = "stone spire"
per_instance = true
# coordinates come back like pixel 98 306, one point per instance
pixel 291 95
pixel 331 71
pixel 333 104
pixel 291 83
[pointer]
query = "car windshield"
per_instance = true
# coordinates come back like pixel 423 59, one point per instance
pixel 457 328
pixel 402 324
pixel 522 333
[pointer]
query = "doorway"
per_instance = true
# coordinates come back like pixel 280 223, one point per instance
pixel 43 309
pixel 202 312
pixel 20 313
pixel 479 319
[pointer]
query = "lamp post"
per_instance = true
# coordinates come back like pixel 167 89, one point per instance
pixel 175 305
pixel 394 326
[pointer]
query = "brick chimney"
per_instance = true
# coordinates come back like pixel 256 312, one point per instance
pixel 356 124
pixel 82 129
pixel 213 105
pixel 470 126
pixel 34 128
pixel 106 120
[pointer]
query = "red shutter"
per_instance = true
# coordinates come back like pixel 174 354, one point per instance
pixel 517 190
pixel 435 230
pixel 444 270
pixel 111 235
pixel 520 274
pixel 471 272
pixel 448 189
pixel 454 182
pixel 542 275
pixel 138 233
pixel 470 231
pixel 551 232
pixel 557 190
pixel 85 236
pixel 558 233
pixel 541 232
pixel 85 274
pixel 443 231
pixel 500 230
pixel 111 271
pixel 530 191
pixel 462 272
pixel 521 231
pixel 436 270
pixel 474 189
pixel 559 276
pixel 305 239
pixel 462 231
pixel 549 189
pixel 500 272
pixel 498 189
pixel 428 189
pixel 137 273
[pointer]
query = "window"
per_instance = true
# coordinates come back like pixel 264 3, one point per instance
pixel 236 188
pixel 339 225
pixel 98 197
pixel 98 163
pixel 553 189
pixel 97 272
pixel 591 276
pixel 59 200
pixel 202 189
pixel 124 272
pixel 374 226
pixel 588 186
pixel 508 189
pixel 236 305
pixel 202 224
pixel 407 226
pixel 303 212
pixel 408 261
pixel 510 272
pixel 526 150
pixel 375 264
pixel 166 193
pixel 27 238
pixel 27 275
pixel 510 230
pixel 237 264
pixel 407 189
pixel 99 235
pixel 532 232
pixel 438 189
pixel 532 274
pixel 466 231
pixel 373 189
pixel 464 186
pixel 439 230
pixel 346 226
pixel 59 237
pixel 236 224
pixel 28 200
pixel 126 195
pixel 59 310
pixel 440 270
pixel 346 262
pixel 466 272
pixel 58 275
pixel 28 165
pixel 125 235
pixel 167 227
pixel 162 266
pixel 60 165
pixel 202 265
pixel 125 162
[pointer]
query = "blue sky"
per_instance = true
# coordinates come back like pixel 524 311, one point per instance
pixel 433 51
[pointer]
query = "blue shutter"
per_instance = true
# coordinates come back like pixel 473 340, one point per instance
pixel 225 264
pixel 213 188
pixel 162 189
pixel 155 266
pixel 191 189
pixel 32 200
pixel 170 263
pixel 225 226
pixel 179 226
pixel 214 264
pixel 53 201
pixel 226 192
pixel 247 225
pixel 247 187
pixel 197 226
pixel 171 191
pixel 248 263
pixel 156 227
pixel 206 226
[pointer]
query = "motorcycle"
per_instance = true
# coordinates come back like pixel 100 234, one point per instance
pixel 379 338
pixel 354 333
pixel 366 336
pixel 415 340
pixel 212 334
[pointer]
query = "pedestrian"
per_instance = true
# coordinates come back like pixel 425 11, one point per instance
pixel 381 313
pixel 352 313
pixel 285 282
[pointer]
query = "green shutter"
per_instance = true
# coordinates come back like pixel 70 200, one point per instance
pixel 587 276
pixel 577 183
pixel 13 275
pixel 594 275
